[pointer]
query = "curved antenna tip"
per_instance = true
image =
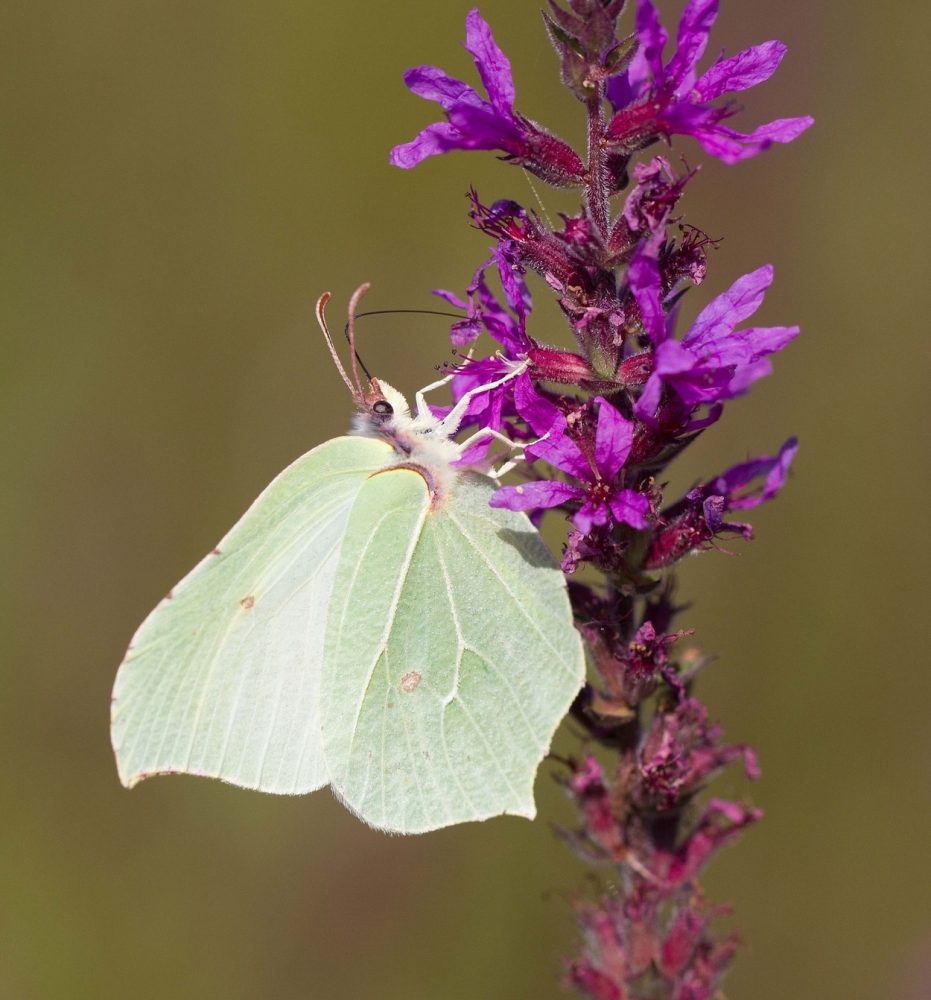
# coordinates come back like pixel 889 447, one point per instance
pixel 321 319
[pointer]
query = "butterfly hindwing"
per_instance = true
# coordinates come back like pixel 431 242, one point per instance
pixel 449 662
pixel 222 679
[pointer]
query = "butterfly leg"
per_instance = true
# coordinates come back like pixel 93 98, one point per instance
pixel 506 467
pixel 483 432
pixel 514 446
pixel 450 423
pixel 422 408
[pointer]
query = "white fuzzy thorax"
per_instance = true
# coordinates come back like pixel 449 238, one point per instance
pixel 420 440
pixel 424 440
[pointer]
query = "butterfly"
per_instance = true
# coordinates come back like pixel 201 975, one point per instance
pixel 370 624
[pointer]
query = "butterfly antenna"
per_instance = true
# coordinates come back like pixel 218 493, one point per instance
pixel 395 312
pixel 356 355
pixel 351 333
pixel 321 319
pixel 416 312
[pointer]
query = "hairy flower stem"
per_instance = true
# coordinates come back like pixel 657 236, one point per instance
pixel 596 196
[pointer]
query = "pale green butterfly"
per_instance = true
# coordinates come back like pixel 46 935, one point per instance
pixel 369 623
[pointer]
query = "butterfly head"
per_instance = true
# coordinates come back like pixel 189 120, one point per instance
pixel 381 409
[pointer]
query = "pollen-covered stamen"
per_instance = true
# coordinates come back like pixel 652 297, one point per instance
pixel 599 492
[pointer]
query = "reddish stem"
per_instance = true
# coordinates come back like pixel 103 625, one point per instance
pixel 596 186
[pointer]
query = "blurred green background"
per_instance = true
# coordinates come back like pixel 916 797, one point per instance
pixel 181 178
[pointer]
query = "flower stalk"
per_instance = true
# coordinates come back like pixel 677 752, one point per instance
pixel 599 426
pixel 595 186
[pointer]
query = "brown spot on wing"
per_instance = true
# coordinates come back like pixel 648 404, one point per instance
pixel 411 681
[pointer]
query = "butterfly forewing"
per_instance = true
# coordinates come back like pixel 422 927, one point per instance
pixel 222 679
pixel 450 657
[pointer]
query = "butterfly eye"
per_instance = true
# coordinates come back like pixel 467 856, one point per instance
pixel 383 408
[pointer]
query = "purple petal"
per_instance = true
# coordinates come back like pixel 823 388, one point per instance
pixel 652 37
pixel 539 413
pixel 630 507
pixel 744 376
pixel 533 496
pixel 464 332
pixel 512 281
pixel 485 408
pixel 673 359
pixel 591 515
pixel 691 39
pixel 713 509
pixel 494 315
pixel 492 64
pixel 719 823
pixel 739 477
pixel 613 438
pixel 711 417
pixel 483 128
pixel 646 285
pixel 625 88
pixel 731 147
pixel 645 407
pixel 475 453
pixel 561 451
pixel 722 314
pixel 781 130
pixel 743 347
pixel 687 118
pixel 779 474
pixel 433 84
pixel 440 137
pixel 740 72
pixel 451 298
pixel 500 324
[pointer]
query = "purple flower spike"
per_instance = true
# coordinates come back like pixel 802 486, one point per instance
pixel 618 268
pixel 653 100
pixel 475 123
pixel 602 501
pixel 714 361
pixel 772 469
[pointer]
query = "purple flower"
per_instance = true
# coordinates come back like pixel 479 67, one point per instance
pixel 734 485
pixel 587 785
pixel 595 470
pixel 681 750
pixel 718 825
pixel 693 522
pixel 650 202
pixel 475 123
pixel 714 361
pixel 653 99
pixel 484 312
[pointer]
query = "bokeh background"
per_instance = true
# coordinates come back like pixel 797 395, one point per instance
pixel 180 179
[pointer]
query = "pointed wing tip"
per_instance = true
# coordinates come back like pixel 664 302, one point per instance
pixel 523 809
pixel 130 779
pixel 528 811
